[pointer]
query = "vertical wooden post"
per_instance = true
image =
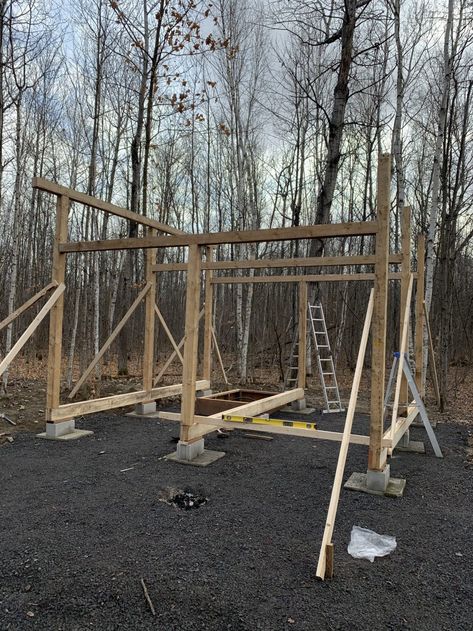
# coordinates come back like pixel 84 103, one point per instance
pixel 150 318
pixel 420 318
pixel 377 455
pixel 57 312
pixel 405 278
pixel 207 360
pixel 189 372
pixel 301 372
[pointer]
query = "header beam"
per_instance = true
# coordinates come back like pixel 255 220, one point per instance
pixel 320 231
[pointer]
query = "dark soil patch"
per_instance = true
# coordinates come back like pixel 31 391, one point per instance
pixel 81 525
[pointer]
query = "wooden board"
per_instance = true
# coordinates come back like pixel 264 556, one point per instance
pixel 75 196
pixel 308 261
pixel 342 457
pixel 320 231
pixel 71 410
pixel 299 278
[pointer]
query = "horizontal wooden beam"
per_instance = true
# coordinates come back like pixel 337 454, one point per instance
pixel 320 231
pixel 310 261
pixel 252 408
pixel 75 196
pixel 70 410
pixel 299 278
pixel 355 439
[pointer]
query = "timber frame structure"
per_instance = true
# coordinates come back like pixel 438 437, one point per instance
pixel 193 428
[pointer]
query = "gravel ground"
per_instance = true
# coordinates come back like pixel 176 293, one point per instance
pixel 79 531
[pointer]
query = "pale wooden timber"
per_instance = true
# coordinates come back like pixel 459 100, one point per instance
pixel 402 351
pixel 342 457
pixel 302 346
pixel 26 305
pixel 376 455
pixel 314 261
pixel 110 339
pixel 173 355
pixel 9 357
pixel 405 283
pixel 219 356
pixel 433 366
pixel 217 423
pixel 168 333
pixel 75 196
pixel 189 371
pixel 71 410
pixel 319 231
pixel 402 425
pixel 420 321
pixel 150 320
pixel 299 278
pixel 208 304
pixel 253 408
pixel 53 388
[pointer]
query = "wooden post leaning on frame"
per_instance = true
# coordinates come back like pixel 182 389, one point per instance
pixel 53 389
pixel 420 319
pixel 376 454
pixel 405 300
pixel 326 548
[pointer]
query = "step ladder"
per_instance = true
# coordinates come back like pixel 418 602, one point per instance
pixel 328 378
pixel 406 369
pixel 292 372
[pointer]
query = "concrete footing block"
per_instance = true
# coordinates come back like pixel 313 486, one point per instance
pixel 404 439
pixel 194 454
pixel 189 451
pixel 148 407
pixel 378 480
pixel 65 430
pixel 359 482
pixel 203 393
pixel 414 447
pixel 299 405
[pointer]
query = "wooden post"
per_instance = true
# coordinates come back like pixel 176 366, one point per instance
pixel 53 390
pixel 420 320
pixel 302 361
pixel 207 359
pixel 405 280
pixel 148 352
pixel 377 455
pixel 189 373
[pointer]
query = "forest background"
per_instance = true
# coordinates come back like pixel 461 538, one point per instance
pixel 226 115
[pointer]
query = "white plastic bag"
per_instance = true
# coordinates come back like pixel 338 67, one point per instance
pixel 367 544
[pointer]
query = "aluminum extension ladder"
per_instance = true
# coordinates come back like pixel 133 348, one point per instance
pixel 325 363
